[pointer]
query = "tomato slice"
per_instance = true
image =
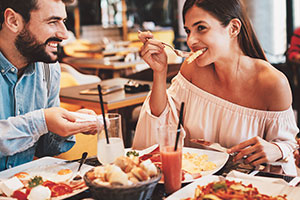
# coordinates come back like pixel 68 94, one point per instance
pixel 19 195
pixel 60 189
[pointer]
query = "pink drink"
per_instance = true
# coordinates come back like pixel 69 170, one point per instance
pixel 171 164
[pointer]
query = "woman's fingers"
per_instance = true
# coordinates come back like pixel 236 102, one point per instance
pixel 145 36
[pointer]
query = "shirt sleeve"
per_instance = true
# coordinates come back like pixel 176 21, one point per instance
pixel 22 132
pixel 283 132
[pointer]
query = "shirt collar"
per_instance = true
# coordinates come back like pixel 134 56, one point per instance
pixel 6 66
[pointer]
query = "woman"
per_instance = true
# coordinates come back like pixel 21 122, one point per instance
pixel 232 95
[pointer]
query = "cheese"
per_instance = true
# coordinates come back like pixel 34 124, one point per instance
pixel 10 185
pixel 39 193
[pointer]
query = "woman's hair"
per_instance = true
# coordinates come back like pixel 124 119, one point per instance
pixel 225 11
pixel 23 7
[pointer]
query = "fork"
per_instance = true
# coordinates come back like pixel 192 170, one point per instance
pixel 178 52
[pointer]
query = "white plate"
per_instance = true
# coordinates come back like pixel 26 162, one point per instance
pixel 43 163
pixel 269 189
pixel 219 158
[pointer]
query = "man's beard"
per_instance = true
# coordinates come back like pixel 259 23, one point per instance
pixel 31 49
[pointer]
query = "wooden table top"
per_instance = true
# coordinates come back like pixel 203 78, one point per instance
pixel 112 101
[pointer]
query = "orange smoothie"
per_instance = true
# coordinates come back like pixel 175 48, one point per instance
pixel 171 166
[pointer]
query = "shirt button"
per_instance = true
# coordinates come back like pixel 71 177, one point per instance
pixel 2 70
pixel 12 69
pixel 9 166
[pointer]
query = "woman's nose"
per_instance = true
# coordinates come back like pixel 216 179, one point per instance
pixel 192 40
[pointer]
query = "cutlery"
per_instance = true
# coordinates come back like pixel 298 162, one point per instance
pixel 217 147
pixel 178 52
pixel 77 176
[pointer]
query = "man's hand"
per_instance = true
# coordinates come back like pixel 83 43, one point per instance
pixel 63 123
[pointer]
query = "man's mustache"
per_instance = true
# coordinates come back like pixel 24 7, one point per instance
pixel 53 39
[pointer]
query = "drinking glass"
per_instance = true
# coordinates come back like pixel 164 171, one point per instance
pixel 107 153
pixel 171 159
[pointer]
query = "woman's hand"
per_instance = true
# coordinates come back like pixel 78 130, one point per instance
pixel 63 123
pixel 256 151
pixel 153 52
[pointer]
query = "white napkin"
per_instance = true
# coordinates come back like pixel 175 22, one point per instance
pixel 240 175
pixel 82 117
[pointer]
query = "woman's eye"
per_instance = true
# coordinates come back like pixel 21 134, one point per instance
pixel 187 31
pixel 200 28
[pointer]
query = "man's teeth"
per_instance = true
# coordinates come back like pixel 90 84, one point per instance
pixel 54 45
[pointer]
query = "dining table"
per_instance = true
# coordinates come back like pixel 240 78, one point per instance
pixel 159 191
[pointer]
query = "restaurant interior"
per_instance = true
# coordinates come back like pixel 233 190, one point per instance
pixel 103 44
pixel 103 48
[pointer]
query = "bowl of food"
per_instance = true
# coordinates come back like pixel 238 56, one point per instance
pixel 127 178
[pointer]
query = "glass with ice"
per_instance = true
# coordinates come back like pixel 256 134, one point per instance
pixel 107 153
pixel 171 159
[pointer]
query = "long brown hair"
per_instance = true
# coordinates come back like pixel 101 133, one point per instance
pixel 225 11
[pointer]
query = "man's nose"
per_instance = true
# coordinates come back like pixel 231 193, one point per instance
pixel 62 33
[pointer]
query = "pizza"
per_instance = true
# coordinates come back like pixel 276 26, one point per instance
pixel 227 190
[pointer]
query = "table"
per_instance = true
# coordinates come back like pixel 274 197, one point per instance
pixel 102 66
pixel 118 101
pixel 159 193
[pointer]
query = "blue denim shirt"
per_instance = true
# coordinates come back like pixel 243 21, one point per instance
pixel 23 130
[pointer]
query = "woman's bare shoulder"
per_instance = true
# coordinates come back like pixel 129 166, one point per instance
pixel 273 86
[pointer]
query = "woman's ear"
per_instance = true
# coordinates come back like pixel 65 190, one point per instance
pixel 235 27
pixel 13 20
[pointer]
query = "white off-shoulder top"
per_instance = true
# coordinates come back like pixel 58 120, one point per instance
pixel 214 119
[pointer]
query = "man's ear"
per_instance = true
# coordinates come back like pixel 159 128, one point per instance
pixel 235 27
pixel 13 20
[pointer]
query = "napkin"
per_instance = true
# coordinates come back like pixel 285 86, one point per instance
pixel 240 175
pixel 82 117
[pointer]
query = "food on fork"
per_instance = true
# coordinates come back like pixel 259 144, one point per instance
pixel 194 55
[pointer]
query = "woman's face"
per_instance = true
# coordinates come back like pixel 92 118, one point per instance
pixel 204 31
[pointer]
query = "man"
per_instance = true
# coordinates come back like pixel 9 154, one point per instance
pixel 31 122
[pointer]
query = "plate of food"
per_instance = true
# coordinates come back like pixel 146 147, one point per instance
pixel 196 163
pixel 219 188
pixel 45 178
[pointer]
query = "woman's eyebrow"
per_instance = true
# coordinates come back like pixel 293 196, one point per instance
pixel 195 24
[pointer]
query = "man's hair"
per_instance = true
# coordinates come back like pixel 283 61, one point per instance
pixel 23 7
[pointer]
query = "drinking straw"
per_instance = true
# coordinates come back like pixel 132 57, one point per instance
pixel 178 127
pixel 103 113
